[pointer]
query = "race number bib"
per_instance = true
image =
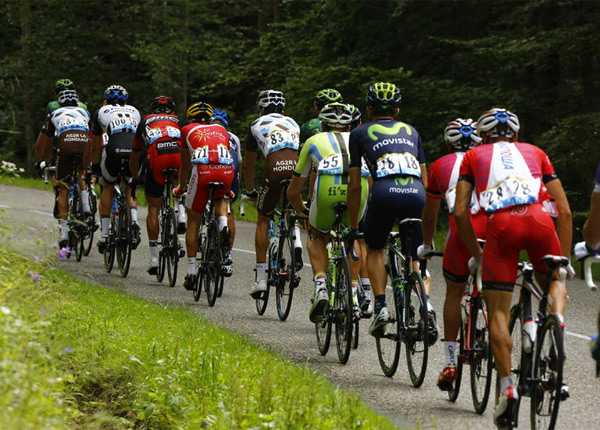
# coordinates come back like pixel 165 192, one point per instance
pixel 156 133
pixel 202 155
pixel 123 123
pixel 280 139
pixel 398 164
pixel 332 165
pixel 451 199
pixel 510 192
pixel 224 154
pixel 69 123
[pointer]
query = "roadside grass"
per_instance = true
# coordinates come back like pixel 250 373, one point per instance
pixel 73 355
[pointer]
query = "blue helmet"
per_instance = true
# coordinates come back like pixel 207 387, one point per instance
pixel 116 94
pixel 221 116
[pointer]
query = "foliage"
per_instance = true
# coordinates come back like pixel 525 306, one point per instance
pixel 77 355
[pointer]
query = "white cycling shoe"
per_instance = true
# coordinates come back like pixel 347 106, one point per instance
pixel 259 288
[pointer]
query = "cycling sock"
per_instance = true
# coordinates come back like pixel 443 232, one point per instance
pixel 379 303
pixel 181 215
pixel 297 241
pixel 105 223
pixel 505 382
pixel 134 214
pixel 222 222
pixel 153 249
pixel 261 272
pixel 320 281
pixel 366 283
pixel 450 348
pixel 84 195
pixel 192 266
pixel 64 228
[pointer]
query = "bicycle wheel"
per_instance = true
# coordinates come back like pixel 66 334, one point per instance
pixel 109 250
pixel 272 279
pixel 389 344
pixel 355 327
pixel 76 227
pixel 460 343
pixel 172 249
pixel 417 335
pixel 481 359
pixel 124 239
pixel 91 225
pixel 547 374
pixel 211 265
pixel 343 311
pixel 199 280
pixel 286 277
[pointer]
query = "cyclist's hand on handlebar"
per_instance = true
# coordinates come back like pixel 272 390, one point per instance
pixel 351 234
pixel 566 272
pixel 96 170
pixel 425 251
pixel 251 194
pixel 474 264
pixel 303 214
pixel 178 191
pixel 582 250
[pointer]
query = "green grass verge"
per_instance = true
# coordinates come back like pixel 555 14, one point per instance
pixel 74 355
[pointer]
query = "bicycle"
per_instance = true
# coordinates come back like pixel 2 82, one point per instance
pixel 409 322
pixel 538 348
pixel 281 257
pixel 586 273
pixel 210 272
pixel 343 305
pixel 121 238
pixel 91 219
pixel 474 346
pixel 171 249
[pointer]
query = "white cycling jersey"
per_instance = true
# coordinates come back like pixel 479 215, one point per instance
pixel 70 118
pixel 234 144
pixel 113 119
pixel 275 131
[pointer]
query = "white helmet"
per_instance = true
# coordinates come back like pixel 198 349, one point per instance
pixel 498 122
pixel 461 134
pixel 336 114
pixel 68 98
pixel 268 98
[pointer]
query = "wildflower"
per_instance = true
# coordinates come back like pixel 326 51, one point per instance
pixel 35 277
pixel 42 312
pixel 67 350
pixel 5 310
pixel 37 258
pixel 64 253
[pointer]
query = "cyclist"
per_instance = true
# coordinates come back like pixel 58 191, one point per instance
pixel 506 176
pixel 591 246
pixel 394 153
pixel 277 137
pixel 205 152
pixel 119 122
pixel 160 133
pixel 460 136
pixel 221 117
pixel 71 124
pixel 61 85
pixel 328 153
pixel 320 99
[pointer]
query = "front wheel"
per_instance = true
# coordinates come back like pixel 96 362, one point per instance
pixel 286 277
pixel 547 374
pixel 417 333
pixel 343 310
pixel 482 362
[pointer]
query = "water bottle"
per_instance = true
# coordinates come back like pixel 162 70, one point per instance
pixel 529 329
pixel 115 206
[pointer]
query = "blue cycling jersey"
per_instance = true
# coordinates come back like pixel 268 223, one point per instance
pixel 389 147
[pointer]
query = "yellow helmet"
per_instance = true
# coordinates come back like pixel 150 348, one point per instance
pixel 200 111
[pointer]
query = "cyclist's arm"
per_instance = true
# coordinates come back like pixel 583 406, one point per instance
pixel 134 162
pixel 48 142
pixel 424 178
pixel 354 194
pixel 591 228
pixel 39 147
pixel 249 169
pixel 294 193
pixel 429 219
pixel 186 166
pixel 462 210
pixel 564 220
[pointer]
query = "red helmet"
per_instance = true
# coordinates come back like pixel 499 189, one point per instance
pixel 162 104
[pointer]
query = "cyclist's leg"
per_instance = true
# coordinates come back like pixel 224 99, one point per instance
pixel 64 165
pixel 154 192
pixel 195 203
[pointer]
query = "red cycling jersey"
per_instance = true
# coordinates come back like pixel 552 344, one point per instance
pixel 210 153
pixel 442 180
pixel 161 134
pixel 508 179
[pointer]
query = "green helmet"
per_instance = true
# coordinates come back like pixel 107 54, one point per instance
pixel 63 84
pixel 326 96
pixel 384 95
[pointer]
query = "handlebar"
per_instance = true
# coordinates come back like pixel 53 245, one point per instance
pixel 243 199
pixel 46 169
pixel 587 271
pixel 351 250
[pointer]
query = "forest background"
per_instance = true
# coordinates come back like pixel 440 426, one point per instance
pixel 539 58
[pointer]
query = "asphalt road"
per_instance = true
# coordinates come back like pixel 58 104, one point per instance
pixel 27 214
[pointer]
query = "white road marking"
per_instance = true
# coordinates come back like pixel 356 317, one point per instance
pixel 4 206
pixel 245 251
pixel 579 336
pixel 41 213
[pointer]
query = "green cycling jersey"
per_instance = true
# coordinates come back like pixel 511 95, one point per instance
pixel 309 129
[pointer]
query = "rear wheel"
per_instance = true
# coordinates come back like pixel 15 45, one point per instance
pixel 77 227
pixel 91 225
pixel 109 250
pixel 198 285
pixel 453 393
pixel 417 336
pixel 547 375
pixel 286 276
pixel 162 258
pixel 388 342
pixel 211 265
pixel 124 239
pixel 172 249
pixel 482 363
pixel 343 310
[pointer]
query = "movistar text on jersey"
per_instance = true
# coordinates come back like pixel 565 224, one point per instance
pixel 393 140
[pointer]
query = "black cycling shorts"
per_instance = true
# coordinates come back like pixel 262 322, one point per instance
pixel 115 157
pixel 393 199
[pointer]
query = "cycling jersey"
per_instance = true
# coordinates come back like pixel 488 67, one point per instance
pixel 236 153
pixel 119 122
pixel 309 129
pixel 71 124
pixel 442 180
pixel 211 156
pixel 272 133
pixel 53 105
pixel 394 154
pixel 507 178
pixel 161 134
pixel 328 154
